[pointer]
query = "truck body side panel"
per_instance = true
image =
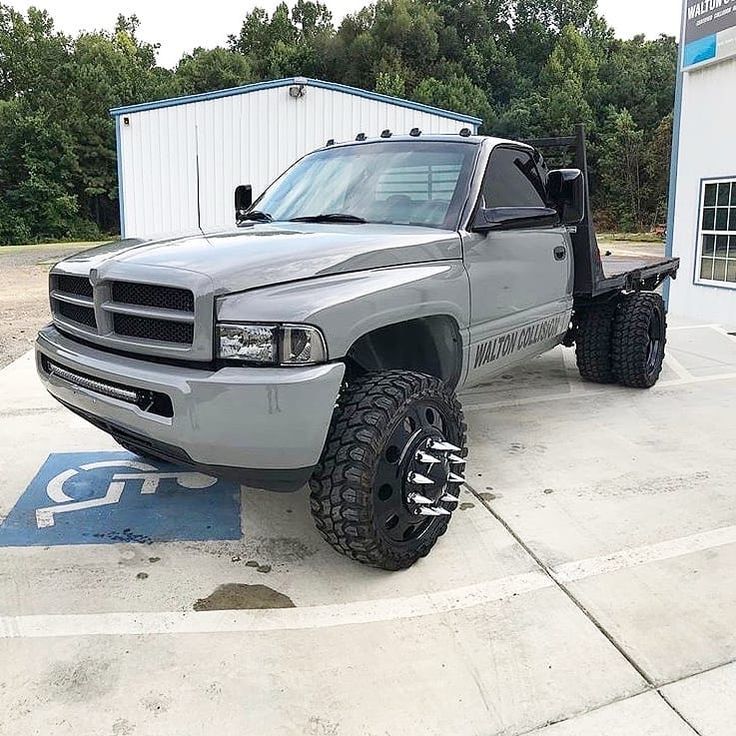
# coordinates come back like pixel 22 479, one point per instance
pixel 522 296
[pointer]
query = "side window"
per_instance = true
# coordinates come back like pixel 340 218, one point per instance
pixel 513 180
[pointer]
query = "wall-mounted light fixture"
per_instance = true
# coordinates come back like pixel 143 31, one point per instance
pixel 298 89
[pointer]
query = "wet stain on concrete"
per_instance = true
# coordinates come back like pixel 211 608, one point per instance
pixel 80 681
pixel 518 448
pixel 240 596
pixel 122 727
pixel 466 506
pixel 488 496
pixel 627 485
pixel 126 536
pixel 156 704
pixel 283 549
pixel 142 575
pixel 318 726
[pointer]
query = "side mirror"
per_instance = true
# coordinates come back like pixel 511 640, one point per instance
pixel 514 218
pixel 567 190
pixel 243 200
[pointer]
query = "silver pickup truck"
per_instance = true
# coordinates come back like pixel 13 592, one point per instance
pixel 324 338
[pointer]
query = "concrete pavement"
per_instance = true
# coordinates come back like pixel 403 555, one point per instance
pixel 583 587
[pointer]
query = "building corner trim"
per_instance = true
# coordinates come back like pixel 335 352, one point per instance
pixel 675 156
pixel 121 198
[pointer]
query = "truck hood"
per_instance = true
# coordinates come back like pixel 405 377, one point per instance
pixel 269 254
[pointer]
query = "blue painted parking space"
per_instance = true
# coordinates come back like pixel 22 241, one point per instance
pixel 112 497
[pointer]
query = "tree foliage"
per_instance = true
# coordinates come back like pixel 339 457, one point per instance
pixel 527 67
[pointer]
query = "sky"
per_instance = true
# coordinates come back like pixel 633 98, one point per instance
pixel 168 22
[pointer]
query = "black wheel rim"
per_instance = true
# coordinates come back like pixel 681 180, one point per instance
pixel 654 348
pixel 397 518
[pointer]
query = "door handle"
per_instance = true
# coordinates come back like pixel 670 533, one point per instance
pixel 560 253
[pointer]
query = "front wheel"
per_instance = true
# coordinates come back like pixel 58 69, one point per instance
pixel 392 468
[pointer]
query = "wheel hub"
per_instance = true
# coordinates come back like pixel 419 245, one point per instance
pixel 435 469
pixel 418 476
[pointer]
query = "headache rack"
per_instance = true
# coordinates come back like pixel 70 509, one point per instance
pixel 595 277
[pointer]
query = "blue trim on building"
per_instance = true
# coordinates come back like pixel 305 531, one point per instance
pixel 121 199
pixel 704 49
pixel 676 124
pixel 116 112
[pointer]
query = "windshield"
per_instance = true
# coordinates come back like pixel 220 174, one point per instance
pixel 396 183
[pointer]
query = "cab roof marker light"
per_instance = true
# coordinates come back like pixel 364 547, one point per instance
pixel 361 137
pixel 415 132
pixel 386 133
pixel 330 142
pixel 466 132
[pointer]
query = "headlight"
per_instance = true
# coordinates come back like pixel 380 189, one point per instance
pixel 271 344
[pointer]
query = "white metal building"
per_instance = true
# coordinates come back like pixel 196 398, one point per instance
pixel 702 227
pixel 180 160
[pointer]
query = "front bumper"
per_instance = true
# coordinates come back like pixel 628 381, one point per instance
pixel 265 426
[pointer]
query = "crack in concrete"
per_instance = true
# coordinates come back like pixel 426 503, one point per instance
pixel 651 685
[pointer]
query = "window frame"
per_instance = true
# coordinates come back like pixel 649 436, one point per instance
pixel 698 279
pixel 533 154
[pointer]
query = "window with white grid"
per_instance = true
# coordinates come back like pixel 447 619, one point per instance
pixel 717 248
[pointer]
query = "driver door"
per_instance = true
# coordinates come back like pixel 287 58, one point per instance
pixel 521 280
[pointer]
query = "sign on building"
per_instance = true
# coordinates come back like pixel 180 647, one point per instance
pixel 710 32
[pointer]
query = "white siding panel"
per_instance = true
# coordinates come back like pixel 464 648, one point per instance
pixel 249 138
pixel 706 152
pixel 159 172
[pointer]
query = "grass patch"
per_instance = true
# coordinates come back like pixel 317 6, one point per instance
pixel 630 238
pixel 41 247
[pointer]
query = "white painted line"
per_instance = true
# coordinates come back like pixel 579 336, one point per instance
pixel 534 400
pixel 691 327
pixel 637 556
pixel 575 395
pixel 722 331
pixel 682 372
pixel 356 612
pixel 285 619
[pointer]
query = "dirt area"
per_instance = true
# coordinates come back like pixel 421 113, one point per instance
pixel 630 248
pixel 24 302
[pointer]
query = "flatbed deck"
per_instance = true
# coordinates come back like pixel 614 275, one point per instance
pixel 634 273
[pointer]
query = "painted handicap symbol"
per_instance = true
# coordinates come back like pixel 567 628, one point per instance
pixel 98 498
pixel 148 474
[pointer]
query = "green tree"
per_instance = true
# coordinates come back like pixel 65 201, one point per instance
pixel 456 93
pixel 622 169
pixel 205 70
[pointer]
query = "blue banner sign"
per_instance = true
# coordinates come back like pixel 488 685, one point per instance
pixel 710 32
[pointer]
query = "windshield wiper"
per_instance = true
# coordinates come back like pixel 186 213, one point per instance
pixel 256 216
pixel 331 217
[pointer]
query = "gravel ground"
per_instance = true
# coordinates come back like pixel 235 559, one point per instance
pixel 24 305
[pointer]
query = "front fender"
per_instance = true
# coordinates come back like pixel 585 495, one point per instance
pixel 347 306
